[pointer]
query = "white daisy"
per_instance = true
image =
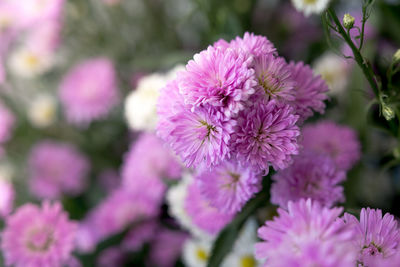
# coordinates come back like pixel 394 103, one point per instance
pixel 140 105
pixel 28 63
pixel 334 70
pixel 42 111
pixel 196 252
pixel 309 7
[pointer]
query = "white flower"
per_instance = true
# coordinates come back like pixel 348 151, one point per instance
pixel 140 105
pixel 242 254
pixel 176 196
pixel 196 252
pixel 334 70
pixel 42 110
pixel 309 7
pixel 28 63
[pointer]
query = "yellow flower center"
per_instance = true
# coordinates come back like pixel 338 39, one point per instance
pixel 32 60
pixel 202 254
pixel 309 2
pixel 247 261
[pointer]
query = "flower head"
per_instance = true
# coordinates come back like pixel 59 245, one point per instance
pixel 42 111
pixel 217 77
pixel 196 252
pixel 56 168
pixel 38 236
pixel 89 91
pixel 310 176
pixel 193 211
pixel 202 213
pixel 266 135
pixel 254 45
pixel 198 136
pixel 376 236
pixel 274 78
pixel 306 233
pixel 310 90
pixel 116 212
pixel 229 185
pixel 337 141
pixel 309 7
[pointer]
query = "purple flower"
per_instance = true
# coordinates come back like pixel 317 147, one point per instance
pixel 89 90
pixel 202 214
pixel 198 136
pixel 307 234
pixel 149 156
pixel 221 78
pixel 338 142
pixel 310 90
pixel 116 212
pixel 146 164
pixel 7 121
pixel 166 247
pixel 274 78
pixel 56 168
pixel 36 236
pixel 255 45
pixel 266 134
pixel 229 185
pixel 310 176
pixel 375 236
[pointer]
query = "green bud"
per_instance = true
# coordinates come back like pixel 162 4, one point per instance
pixel 387 112
pixel 348 21
pixel 396 56
pixel 396 152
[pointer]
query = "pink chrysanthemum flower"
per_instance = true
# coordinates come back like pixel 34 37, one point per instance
pixel 274 78
pixel 266 135
pixel 338 142
pixel 221 78
pixel 7 196
pixel 116 212
pixel 375 236
pixel 255 45
pixel 202 214
pixel 7 121
pixel 306 233
pixel 229 185
pixel 310 176
pixel 149 156
pixel 89 91
pixel 167 247
pixel 310 90
pixel 36 236
pixel 56 168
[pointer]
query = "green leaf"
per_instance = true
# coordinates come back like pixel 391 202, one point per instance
pixel 227 237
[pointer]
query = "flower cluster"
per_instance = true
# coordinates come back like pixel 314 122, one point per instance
pixel 204 113
pixel 308 234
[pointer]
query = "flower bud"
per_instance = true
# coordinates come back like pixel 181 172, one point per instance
pixel 387 112
pixel 348 21
pixel 396 56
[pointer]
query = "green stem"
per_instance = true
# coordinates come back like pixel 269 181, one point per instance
pixel 366 68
